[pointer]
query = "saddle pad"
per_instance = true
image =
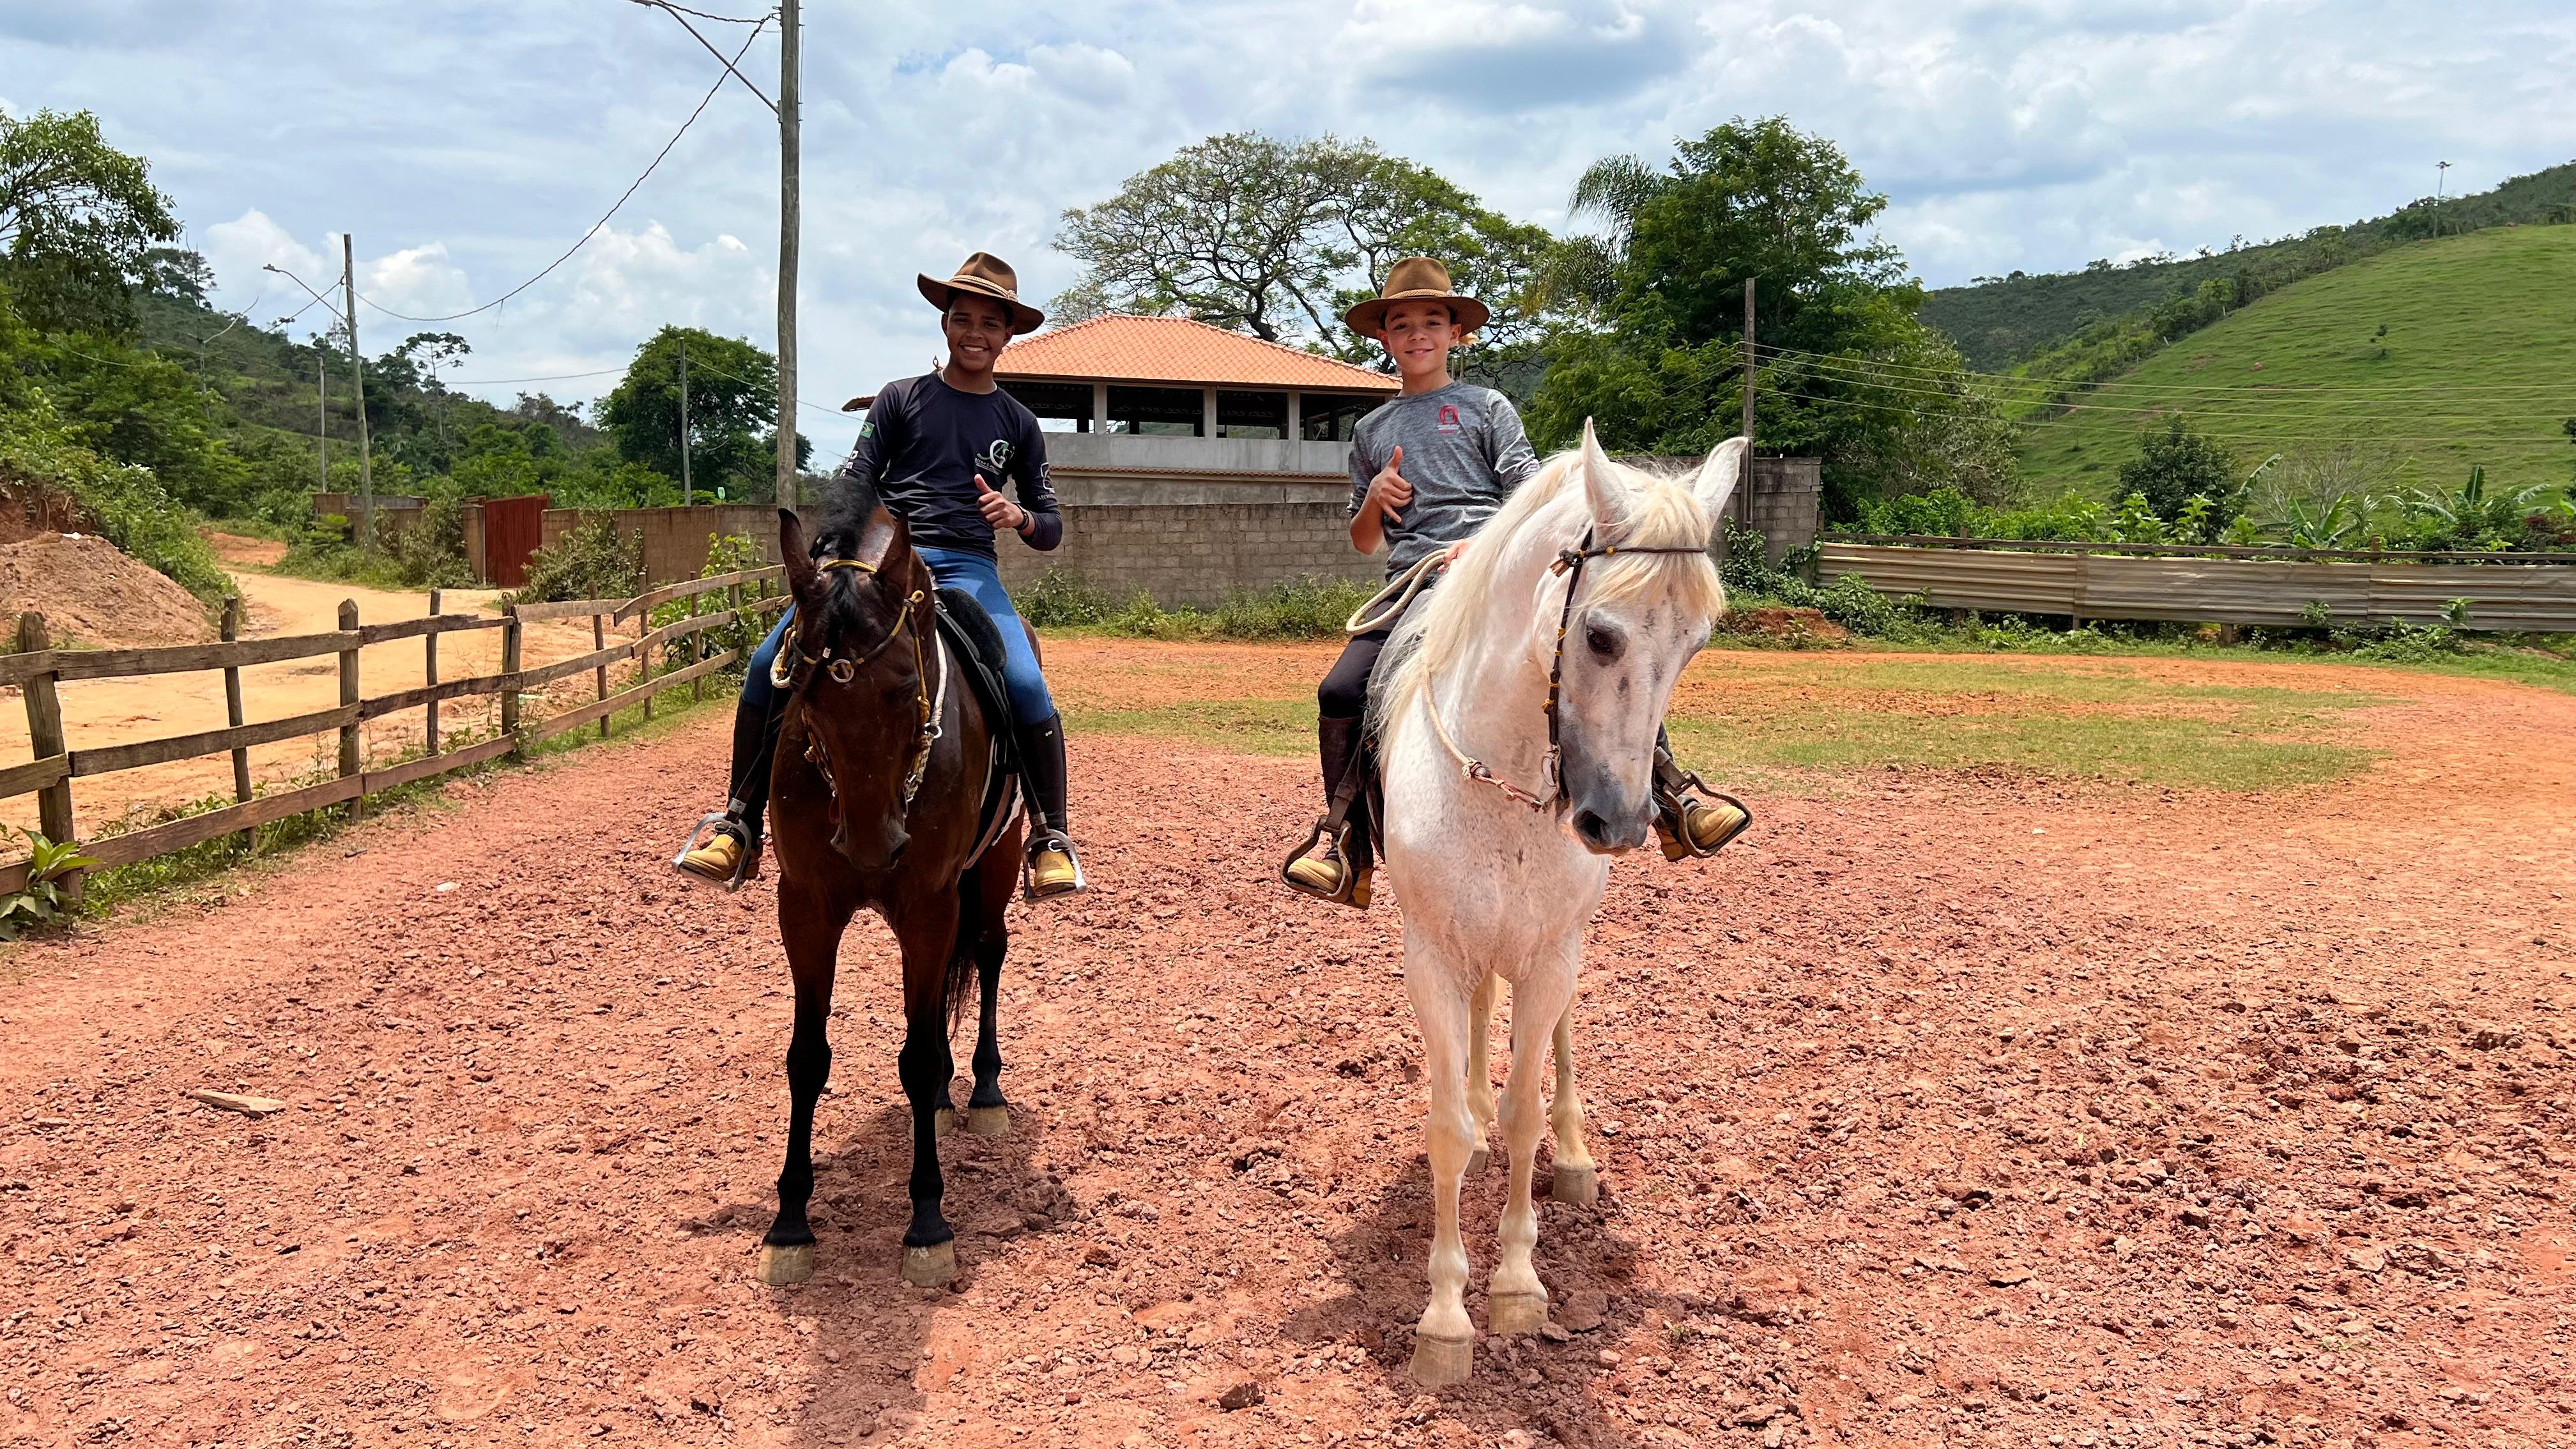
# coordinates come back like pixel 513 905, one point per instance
pixel 976 642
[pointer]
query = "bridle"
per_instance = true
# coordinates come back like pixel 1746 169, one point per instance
pixel 1569 562
pixel 842 671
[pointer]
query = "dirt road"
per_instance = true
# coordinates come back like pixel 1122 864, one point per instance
pixel 1947 1108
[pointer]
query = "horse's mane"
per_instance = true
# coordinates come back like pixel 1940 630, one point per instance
pixel 846 512
pixel 1438 634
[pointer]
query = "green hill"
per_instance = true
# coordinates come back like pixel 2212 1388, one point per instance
pixel 2000 322
pixel 2476 366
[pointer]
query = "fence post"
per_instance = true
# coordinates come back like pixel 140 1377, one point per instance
pixel 644 658
pixel 233 715
pixel 45 736
pixel 349 762
pixel 510 628
pixel 430 670
pixel 698 647
pixel 599 640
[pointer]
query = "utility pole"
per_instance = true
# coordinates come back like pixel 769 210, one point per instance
pixel 789 211
pixel 358 371
pixel 2441 174
pixel 322 390
pixel 684 422
pixel 1744 490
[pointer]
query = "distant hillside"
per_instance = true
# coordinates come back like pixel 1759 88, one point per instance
pixel 2430 357
pixel 2000 324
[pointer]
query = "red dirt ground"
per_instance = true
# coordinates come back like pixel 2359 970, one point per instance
pixel 1943 1109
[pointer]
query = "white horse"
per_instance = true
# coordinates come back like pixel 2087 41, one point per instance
pixel 1516 724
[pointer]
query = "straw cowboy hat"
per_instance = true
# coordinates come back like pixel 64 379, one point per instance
pixel 985 275
pixel 1416 279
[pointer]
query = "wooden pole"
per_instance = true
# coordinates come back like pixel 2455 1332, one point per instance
pixel 790 205
pixel 322 391
pixel 1744 490
pixel 233 713
pixel 697 651
pixel 349 762
pixel 429 670
pixel 644 657
pixel 45 736
pixel 685 491
pixel 599 640
pixel 358 373
pixel 510 630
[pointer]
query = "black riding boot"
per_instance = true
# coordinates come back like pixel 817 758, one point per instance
pixel 1339 871
pixel 1053 869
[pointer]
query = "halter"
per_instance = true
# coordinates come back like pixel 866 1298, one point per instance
pixel 842 671
pixel 1569 562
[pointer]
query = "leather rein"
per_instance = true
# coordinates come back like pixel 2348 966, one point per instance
pixel 1569 562
pixel 843 670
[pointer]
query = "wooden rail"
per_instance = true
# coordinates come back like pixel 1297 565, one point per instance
pixel 682 649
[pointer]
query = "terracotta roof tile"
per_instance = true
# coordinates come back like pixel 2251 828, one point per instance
pixel 1120 348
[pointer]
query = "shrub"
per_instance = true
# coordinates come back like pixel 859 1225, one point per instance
pixel 1062 598
pixel 2177 463
pixel 431 552
pixel 1311 608
pixel 132 509
pixel 594 560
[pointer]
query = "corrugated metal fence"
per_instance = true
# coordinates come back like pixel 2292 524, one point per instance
pixel 2521 597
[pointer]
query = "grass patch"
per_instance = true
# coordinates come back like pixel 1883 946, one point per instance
pixel 1243 726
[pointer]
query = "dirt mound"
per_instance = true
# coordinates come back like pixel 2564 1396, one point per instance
pixel 91 592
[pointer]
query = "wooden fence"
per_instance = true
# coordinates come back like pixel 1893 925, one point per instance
pixel 2517 593
pixel 749 597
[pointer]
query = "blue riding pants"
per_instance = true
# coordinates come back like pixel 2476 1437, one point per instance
pixel 954 569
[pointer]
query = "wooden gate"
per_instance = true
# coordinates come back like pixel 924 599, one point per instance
pixel 512 529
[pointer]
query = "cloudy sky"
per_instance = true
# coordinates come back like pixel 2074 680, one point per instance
pixel 464 145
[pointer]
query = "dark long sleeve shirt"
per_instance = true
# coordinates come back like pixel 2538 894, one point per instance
pixel 923 445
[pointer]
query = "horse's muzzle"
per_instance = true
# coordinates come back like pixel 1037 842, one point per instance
pixel 1613 831
pixel 881 850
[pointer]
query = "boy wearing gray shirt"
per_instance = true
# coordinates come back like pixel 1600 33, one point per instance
pixel 1427 471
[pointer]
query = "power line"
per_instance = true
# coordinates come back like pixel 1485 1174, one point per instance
pixel 2236 390
pixel 556 377
pixel 2203 407
pixel 2265 436
pixel 622 199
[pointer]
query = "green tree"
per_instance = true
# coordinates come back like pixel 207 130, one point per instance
pixel 79 222
pixel 1278 238
pixel 733 405
pixel 2177 465
pixel 1652 350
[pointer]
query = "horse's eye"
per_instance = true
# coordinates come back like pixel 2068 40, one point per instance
pixel 1603 642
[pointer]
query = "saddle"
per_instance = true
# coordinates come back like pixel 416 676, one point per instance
pixel 976 642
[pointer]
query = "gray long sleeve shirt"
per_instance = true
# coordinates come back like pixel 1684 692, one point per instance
pixel 1464 453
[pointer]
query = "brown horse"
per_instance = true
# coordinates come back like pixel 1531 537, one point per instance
pixel 882 765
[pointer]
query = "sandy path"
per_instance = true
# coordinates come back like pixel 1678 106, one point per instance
pixel 99 712
pixel 1941 1110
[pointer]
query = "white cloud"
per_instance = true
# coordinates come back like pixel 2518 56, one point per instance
pixel 239 248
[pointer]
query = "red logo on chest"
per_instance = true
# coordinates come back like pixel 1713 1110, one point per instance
pixel 1448 417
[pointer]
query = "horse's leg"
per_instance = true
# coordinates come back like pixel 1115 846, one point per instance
pixel 1444 1342
pixel 810 922
pixel 1480 1069
pixel 988 894
pixel 929 938
pixel 1516 1302
pixel 1573 1179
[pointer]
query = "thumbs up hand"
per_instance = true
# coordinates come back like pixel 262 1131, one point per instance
pixel 1388 491
pixel 998 511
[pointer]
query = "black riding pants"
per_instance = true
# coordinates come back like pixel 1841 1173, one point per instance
pixel 1344 692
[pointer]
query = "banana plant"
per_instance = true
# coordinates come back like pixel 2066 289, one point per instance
pixel 2331 524
pixel 48 863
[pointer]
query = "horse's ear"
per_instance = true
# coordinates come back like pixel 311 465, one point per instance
pixel 1719 476
pixel 802 576
pixel 878 537
pixel 1603 490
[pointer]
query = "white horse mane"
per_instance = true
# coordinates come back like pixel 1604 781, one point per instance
pixel 1662 512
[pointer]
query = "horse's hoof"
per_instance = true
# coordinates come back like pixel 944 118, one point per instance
pixel 989 1121
pixel 1578 1186
pixel 943 1122
pixel 1438 1362
pixel 929 1267
pixel 782 1266
pixel 1478 1161
pixel 1516 1313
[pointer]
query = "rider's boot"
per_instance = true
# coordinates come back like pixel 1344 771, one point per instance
pixel 1053 868
pixel 1689 825
pixel 1336 864
pixel 732 851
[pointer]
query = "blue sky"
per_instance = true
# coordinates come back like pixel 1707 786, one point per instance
pixel 463 145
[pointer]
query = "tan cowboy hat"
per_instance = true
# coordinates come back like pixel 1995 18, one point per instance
pixel 1416 279
pixel 985 275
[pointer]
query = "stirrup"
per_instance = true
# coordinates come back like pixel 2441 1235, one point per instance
pixel 716 820
pixel 1675 808
pixel 1028 868
pixel 1341 844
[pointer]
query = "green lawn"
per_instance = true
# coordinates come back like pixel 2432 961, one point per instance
pixel 2478 367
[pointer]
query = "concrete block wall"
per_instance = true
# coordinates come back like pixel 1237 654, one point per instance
pixel 1193 555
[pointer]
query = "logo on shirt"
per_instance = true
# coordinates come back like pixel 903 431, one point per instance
pixel 867 427
pixel 996 456
pixel 1448 417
